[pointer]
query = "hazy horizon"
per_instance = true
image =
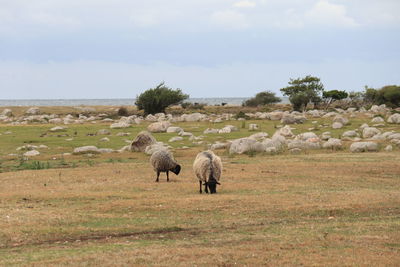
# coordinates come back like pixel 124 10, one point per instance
pixel 117 49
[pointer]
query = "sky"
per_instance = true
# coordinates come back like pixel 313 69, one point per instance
pixel 54 49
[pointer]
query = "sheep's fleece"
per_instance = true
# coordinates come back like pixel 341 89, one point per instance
pixel 207 163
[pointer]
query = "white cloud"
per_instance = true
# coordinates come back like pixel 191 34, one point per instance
pixel 326 13
pixel 244 4
pixel 230 19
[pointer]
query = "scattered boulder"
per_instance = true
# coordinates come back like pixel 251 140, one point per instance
pixel 253 127
pixel 58 129
pixel 341 119
pixel 337 125
pixel 31 153
pixel 350 134
pixel 159 127
pixel 33 111
pixel 333 143
pixel 306 136
pixel 258 136
pixel 105 139
pixel 175 139
pixel 243 145
pixel 210 131
pixel 285 131
pixel 120 125
pixel 142 140
pixel 293 119
pixel 219 145
pixel 7 112
pixel 173 129
pixel 273 116
pixel 395 118
pixel 123 134
pixel 389 148
pixel 377 120
pixel 325 136
pixel 193 117
pixel 363 147
pixel 303 145
pixel 369 132
pixel 86 150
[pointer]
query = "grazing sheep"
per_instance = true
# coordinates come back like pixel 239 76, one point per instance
pixel 208 168
pixel 163 161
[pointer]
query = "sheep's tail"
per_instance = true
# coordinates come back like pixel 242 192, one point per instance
pixel 211 175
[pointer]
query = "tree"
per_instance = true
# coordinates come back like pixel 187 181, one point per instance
pixel 302 91
pixel 157 99
pixel 261 99
pixel 333 95
pixel 389 95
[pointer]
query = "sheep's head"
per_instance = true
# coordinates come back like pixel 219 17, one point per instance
pixel 212 185
pixel 177 169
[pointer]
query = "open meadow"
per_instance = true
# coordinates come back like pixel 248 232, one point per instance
pixel 314 208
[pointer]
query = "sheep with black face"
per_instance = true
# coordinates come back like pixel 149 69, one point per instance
pixel 208 168
pixel 163 161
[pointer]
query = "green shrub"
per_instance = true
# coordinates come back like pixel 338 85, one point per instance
pixel 261 99
pixel 157 99
pixel 389 95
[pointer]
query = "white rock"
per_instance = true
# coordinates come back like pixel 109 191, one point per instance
pixel 175 139
pixel 325 135
pixel 105 139
pixel 341 119
pixel 31 153
pixel 173 129
pixel 306 136
pixel 350 134
pixel 363 147
pixel 377 120
pixel 86 149
pixel 395 118
pixel 210 131
pixel 159 127
pixel 120 125
pixel 193 117
pixel 260 135
pixel 253 127
pixel 7 112
pixel 33 111
pixel 58 129
pixel 333 143
pixel 369 132
pixel 219 145
pixel 337 125
pixel 242 145
pixel 285 131
pixel 389 148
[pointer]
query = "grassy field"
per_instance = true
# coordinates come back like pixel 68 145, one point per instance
pixel 318 208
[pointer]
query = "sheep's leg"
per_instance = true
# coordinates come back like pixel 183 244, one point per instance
pixel 167 176
pixel 201 191
pixel 206 188
pixel 158 175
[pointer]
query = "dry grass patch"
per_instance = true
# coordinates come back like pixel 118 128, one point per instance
pixel 332 209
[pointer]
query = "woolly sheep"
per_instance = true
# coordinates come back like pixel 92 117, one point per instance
pixel 163 161
pixel 208 168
